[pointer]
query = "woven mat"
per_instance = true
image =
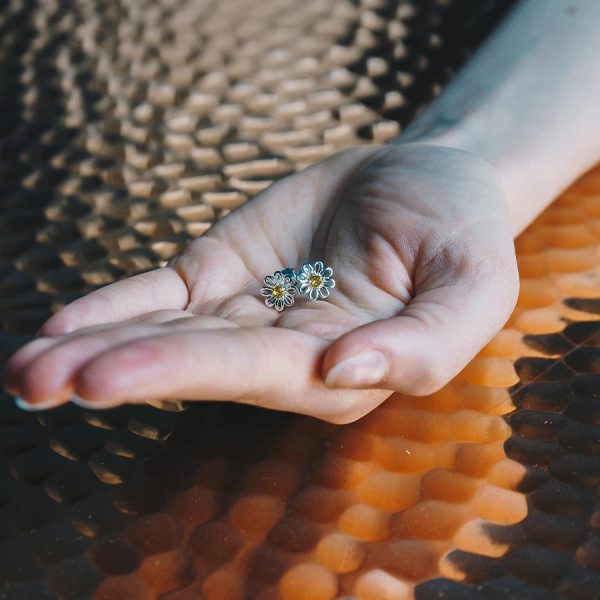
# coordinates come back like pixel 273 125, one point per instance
pixel 126 129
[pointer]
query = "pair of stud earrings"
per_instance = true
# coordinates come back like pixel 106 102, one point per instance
pixel 313 280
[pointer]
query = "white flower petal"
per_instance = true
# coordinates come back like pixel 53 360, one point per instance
pixel 318 268
pixel 288 300
pixel 269 281
pixel 327 272
pixel 329 283
pixel 266 291
pixel 324 292
pixel 313 294
pixel 270 301
pixel 308 269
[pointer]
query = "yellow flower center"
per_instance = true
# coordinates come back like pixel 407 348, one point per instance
pixel 278 292
pixel 315 281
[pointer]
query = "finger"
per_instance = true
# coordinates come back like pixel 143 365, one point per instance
pixel 263 366
pixel 159 289
pixel 25 355
pixel 429 342
pixel 48 379
pixel 21 358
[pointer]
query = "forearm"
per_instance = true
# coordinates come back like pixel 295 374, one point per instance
pixel 528 102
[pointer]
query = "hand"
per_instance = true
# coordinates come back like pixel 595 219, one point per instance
pixel 419 240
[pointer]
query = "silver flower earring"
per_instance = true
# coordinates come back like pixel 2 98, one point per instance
pixel 280 289
pixel 313 280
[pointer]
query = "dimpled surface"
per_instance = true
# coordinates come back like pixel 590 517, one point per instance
pixel 127 129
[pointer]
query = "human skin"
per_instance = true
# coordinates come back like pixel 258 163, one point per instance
pixel 419 234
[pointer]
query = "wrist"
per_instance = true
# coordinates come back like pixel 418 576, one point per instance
pixel 524 194
pixel 437 127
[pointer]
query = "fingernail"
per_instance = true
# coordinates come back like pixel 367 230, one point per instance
pixel 31 407
pixel 363 370
pixel 83 403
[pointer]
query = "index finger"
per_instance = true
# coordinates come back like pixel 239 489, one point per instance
pixel 158 289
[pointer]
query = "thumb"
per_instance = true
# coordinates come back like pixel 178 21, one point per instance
pixel 419 350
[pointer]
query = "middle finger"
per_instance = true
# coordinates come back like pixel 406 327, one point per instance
pixel 47 379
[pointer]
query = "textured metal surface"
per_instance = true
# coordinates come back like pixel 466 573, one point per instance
pixel 127 129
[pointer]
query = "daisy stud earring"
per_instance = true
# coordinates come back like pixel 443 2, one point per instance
pixel 280 289
pixel 314 280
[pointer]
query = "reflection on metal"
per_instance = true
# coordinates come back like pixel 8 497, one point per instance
pixel 127 129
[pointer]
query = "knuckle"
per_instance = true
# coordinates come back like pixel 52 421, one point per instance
pixel 429 384
pixel 350 406
pixel 431 377
pixel 345 417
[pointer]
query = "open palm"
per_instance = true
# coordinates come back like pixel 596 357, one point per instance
pixel 423 259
